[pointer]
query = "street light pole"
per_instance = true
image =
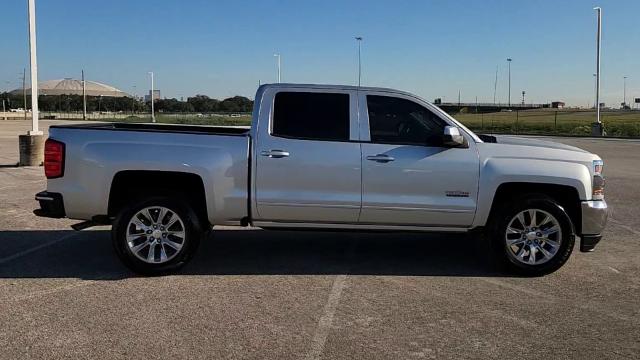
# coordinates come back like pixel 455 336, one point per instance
pixel 153 114
pixel 495 86
pixel 359 40
pixel 279 69
pixel 34 69
pixel 598 39
pixel 31 145
pixel 509 62
pixel 84 98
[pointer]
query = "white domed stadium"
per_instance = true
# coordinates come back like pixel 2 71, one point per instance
pixel 70 86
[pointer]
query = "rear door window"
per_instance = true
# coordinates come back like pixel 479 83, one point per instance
pixel 309 115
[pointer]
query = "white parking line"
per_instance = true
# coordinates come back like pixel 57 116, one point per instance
pixel 628 228
pixel 74 285
pixel 326 321
pixel 36 248
pixel 591 307
pixel 614 269
pixel 21 184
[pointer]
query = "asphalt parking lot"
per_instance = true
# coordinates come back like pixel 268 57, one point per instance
pixel 291 295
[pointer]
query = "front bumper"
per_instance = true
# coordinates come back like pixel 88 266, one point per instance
pixel 594 219
pixel 51 205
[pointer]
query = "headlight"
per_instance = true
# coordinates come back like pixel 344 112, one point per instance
pixel 598 180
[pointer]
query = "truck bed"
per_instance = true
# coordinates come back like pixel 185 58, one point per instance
pixel 165 128
pixel 95 154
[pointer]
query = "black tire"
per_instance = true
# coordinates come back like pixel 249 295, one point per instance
pixel 498 235
pixel 193 233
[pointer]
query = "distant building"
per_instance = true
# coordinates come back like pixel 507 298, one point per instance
pixel 557 104
pixel 70 86
pixel 156 95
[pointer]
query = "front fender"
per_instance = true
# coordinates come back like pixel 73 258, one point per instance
pixel 497 171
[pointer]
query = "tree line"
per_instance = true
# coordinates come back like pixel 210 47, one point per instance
pixel 70 103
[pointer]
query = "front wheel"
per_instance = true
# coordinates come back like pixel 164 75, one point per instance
pixel 533 236
pixel 156 235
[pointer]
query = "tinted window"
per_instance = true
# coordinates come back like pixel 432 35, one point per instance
pixel 399 121
pixel 318 116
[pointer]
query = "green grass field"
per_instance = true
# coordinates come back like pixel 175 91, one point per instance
pixel 549 122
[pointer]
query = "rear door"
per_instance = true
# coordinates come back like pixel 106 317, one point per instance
pixel 307 157
pixel 409 177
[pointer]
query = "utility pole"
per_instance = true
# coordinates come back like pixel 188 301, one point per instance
pixel 595 89
pixel 24 92
pixel 624 94
pixel 4 109
pixel 279 69
pixel 133 100
pixel 495 86
pixel 597 126
pixel 153 114
pixel 509 62
pixel 359 40
pixel 84 98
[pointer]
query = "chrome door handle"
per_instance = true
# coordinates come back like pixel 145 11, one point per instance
pixel 381 158
pixel 275 154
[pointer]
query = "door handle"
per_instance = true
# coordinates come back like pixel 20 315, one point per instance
pixel 381 158
pixel 275 154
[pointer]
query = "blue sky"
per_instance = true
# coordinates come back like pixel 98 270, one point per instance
pixel 431 48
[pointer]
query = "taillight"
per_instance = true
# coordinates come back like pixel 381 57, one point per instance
pixel 53 159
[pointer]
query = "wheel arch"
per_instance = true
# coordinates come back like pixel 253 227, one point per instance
pixel 566 196
pixel 129 185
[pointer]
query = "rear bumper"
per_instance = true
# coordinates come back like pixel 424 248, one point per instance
pixel 594 219
pixel 51 205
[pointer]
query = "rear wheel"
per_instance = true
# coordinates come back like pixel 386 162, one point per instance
pixel 157 235
pixel 533 236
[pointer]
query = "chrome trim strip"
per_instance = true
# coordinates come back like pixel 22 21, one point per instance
pixel 44 198
pixel 417 209
pixel 329 206
pixel 363 227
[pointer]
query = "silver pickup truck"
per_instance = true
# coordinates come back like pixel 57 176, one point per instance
pixel 324 157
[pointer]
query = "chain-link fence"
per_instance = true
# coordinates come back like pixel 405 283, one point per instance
pixel 623 123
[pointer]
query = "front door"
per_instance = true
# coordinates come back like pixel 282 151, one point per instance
pixel 307 168
pixel 409 177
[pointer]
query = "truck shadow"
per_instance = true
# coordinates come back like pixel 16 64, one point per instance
pixel 89 255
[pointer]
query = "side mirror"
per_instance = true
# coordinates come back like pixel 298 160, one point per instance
pixel 452 137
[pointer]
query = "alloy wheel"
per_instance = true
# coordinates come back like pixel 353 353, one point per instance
pixel 155 234
pixel 533 237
